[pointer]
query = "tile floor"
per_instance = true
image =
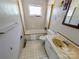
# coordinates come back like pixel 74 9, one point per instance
pixel 34 50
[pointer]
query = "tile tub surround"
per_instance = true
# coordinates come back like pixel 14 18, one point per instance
pixel 34 50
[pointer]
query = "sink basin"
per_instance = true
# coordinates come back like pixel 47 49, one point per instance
pixel 58 43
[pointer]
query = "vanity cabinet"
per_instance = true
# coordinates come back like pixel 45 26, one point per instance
pixel 50 51
pixel 10 43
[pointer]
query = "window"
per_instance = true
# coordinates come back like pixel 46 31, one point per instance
pixel 35 10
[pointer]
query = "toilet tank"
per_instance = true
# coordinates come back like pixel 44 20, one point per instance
pixel 51 32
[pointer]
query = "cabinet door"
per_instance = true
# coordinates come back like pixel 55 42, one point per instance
pixel 47 48
pixel 9 44
pixel 53 53
pixel 50 51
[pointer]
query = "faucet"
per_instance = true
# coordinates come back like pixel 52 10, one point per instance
pixel 66 42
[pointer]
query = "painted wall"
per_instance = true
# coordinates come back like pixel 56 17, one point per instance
pixel 33 22
pixel 50 2
pixel 56 23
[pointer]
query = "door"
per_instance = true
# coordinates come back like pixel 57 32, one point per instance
pixel 34 13
pixel 10 43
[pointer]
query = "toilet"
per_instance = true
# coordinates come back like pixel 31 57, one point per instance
pixel 43 37
pixel 49 33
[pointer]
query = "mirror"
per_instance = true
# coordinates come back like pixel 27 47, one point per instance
pixel 72 15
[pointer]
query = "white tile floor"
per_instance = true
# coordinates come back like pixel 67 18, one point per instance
pixel 34 50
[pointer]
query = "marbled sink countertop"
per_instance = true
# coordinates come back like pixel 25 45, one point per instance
pixel 68 52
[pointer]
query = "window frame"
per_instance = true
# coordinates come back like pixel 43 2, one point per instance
pixel 37 15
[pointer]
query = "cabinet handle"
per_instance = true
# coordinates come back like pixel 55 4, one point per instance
pixel 50 48
pixel 2 33
pixel 20 37
pixel 11 48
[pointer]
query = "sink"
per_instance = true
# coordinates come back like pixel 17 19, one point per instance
pixel 59 43
pixel 66 47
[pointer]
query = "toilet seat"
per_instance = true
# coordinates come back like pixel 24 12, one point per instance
pixel 43 37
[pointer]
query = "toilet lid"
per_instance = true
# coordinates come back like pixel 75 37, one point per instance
pixel 43 37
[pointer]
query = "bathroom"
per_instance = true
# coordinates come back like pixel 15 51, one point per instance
pixel 39 29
